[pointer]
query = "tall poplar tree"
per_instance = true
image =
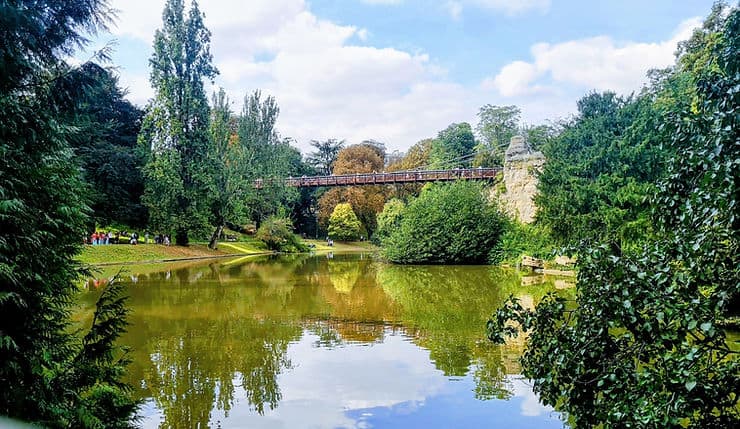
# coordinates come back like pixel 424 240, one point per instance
pixel 176 127
pixel 229 159
pixel 266 156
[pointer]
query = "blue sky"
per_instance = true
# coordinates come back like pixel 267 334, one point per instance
pixel 401 70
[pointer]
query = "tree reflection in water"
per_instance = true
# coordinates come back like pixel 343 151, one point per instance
pixel 201 332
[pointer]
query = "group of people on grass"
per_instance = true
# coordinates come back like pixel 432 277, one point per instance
pixel 103 238
pixel 159 239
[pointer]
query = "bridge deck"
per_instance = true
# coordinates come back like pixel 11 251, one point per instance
pixel 411 176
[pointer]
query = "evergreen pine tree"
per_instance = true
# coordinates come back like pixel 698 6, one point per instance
pixel 47 374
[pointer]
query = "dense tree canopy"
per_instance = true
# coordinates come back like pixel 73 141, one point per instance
pixel 361 158
pixel 389 219
pixel 496 126
pixel 244 149
pixel 417 157
pixel 367 201
pixel 266 157
pixel 303 206
pixel 204 161
pixel 322 159
pixel 600 169
pixel 644 345
pixel 105 146
pixel 453 147
pixel 49 376
pixel 227 157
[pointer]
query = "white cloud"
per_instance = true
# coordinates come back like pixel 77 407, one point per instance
pixel 599 63
pixel 326 85
pixel 330 84
pixel 514 79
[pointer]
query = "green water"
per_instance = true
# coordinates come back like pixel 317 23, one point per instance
pixel 325 341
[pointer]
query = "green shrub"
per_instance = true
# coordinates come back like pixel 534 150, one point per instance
pixel 277 234
pixel 389 220
pixel 450 223
pixel 344 224
pixel 519 239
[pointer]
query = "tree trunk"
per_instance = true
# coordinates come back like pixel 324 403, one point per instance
pixel 213 244
pixel 181 237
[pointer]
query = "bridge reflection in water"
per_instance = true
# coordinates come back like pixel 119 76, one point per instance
pixel 409 176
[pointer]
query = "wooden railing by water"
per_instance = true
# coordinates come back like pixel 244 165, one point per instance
pixel 400 177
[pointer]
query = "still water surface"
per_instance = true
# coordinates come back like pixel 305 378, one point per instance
pixel 325 341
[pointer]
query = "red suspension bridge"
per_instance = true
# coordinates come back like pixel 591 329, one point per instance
pixel 389 178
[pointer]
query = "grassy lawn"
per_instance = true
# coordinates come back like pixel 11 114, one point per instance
pixel 245 245
pixel 141 252
pixel 117 253
pixel 350 246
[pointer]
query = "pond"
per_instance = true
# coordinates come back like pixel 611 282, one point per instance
pixel 325 341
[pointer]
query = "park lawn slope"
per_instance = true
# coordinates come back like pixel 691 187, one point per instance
pixel 123 253
pixel 141 253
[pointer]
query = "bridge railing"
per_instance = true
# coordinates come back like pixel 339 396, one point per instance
pixel 407 176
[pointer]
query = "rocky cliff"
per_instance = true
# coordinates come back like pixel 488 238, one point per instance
pixel 520 166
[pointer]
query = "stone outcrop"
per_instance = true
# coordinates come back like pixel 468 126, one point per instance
pixel 520 179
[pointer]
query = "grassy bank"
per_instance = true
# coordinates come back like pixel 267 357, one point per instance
pixel 126 253
pixel 122 253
